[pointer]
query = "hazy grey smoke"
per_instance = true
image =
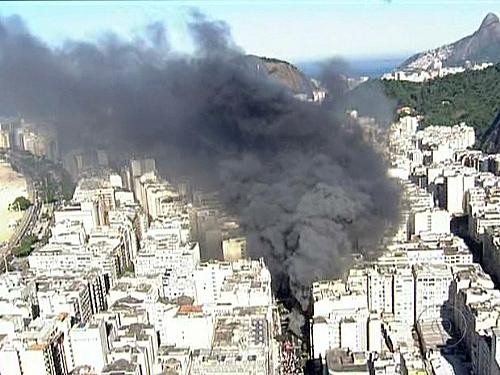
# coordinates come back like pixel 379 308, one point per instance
pixel 307 190
pixel 367 99
pixel 296 321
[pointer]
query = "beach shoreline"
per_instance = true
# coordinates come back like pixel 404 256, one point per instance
pixel 12 185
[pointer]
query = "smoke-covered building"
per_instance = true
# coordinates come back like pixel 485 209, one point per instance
pixel 37 138
pixel 234 248
pixel 136 169
pixel 5 140
pixel 99 191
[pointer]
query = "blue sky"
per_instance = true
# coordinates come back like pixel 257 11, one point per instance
pixel 293 30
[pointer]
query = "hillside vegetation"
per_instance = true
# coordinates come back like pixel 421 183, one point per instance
pixel 472 97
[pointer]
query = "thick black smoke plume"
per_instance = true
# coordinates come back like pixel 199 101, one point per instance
pixel 308 190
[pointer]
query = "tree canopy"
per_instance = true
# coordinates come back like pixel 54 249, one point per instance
pixel 472 97
pixel 20 204
pixel 25 247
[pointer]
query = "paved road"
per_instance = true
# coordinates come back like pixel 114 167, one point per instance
pixel 38 172
pixel 29 219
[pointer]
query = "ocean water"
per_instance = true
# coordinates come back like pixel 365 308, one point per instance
pixel 372 68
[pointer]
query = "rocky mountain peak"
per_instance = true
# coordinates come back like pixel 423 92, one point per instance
pixel 489 20
pixel 481 46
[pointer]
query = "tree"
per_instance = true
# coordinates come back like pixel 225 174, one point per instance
pixel 20 204
pixel 472 97
pixel 25 247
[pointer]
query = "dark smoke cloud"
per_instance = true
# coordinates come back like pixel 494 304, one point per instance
pixel 308 190
pixel 367 98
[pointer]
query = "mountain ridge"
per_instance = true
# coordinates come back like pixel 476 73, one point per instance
pixel 282 72
pixel 481 46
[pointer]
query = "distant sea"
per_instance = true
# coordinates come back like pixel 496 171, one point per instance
pixel 372 68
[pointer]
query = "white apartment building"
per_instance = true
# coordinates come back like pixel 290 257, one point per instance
pixel 146 289
pixel 209 278
pixel 491 251
pixel 404 295
pixel 457 137
pixel 174 261
pixel 42 349
pixel 340 318
pixel 174 359
pixel 102 256
pixel 18 295
pixel 120 238
pixel 429 221
pixel 98 190
pixel 483 217
pixel 86 212
pixel 476 313
pixel 160 197
pixel 140 340
pixel 89 345
pixel 69 232
pixel 236 284
pixel 432 285
pixel 190 327
pixel 243 343
pixel 380 282
pixel 71 297
pixel 456 185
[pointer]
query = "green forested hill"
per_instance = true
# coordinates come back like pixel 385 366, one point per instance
pixel 472 97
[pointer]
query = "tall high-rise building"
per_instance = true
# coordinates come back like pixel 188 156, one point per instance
pixel 404 295
pixel 455 188
pixel 432 285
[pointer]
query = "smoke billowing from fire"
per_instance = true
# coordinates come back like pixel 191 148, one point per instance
pixel 306 189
